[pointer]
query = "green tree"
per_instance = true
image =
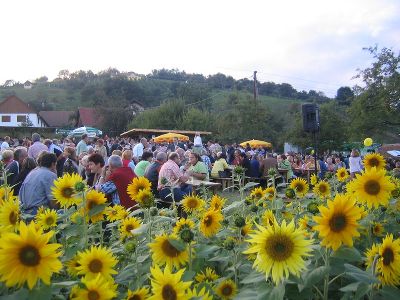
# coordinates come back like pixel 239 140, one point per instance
pixel 344 95
pixel 376 110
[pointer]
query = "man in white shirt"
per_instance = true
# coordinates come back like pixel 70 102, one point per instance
pixel 138 149
pixel 5 145
pixel 198 144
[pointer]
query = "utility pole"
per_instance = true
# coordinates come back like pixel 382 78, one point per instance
pixel 255 85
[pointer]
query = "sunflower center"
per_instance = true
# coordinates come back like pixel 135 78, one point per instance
pixel 342 174
pixel 388 256
pixel 169 249
pixel 373 162
pixel 95 266
pixel 135 297
pixel 169 293
pixel 192 203
pixel 208 221
pixel 93 295
pixel 322 188
pixel 91 204
pixel 226 290
pixel 67 192
pixel 300 188
pixel 129 227
pixel 13 218
pixel 337 223
pixel 49 220
pixel 29 256
pixel 372 187
pixel 279 247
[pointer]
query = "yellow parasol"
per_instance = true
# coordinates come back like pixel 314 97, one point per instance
pixel 256 144
pixel 169 137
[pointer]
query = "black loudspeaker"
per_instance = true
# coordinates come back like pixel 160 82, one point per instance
pixel 310 117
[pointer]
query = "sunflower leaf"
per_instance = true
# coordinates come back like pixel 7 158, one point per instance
pixel 352 287
pixel 389 292
pixel 253 277
pixel 359 275
pixel 348 254
pixel 177 244
pixel 97 209
pixel 314 277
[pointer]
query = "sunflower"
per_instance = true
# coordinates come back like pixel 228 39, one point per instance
pixel 6 193
pixel 300 186
pixel 96 260
pixel 192 203
pixel 167 285
pixel 64 190
pixel 47 219
pixel 27 256
pixel 280 250
pixel 389 261
pixel 211 223
pixel 139 294
pixel 322 189
pixel 247 228
pixel 138 184
pixel 145 198
pixel 97 288
pixel 208 275
pixel 377 229
pixel 165 251
pixel 217 202
pixel 304 223
pixel 342 174
pixel 10 214
pixel 72 266
pixel 202 294
pixel 372 187
pixel 114 213
pixel 270 193
pixel 183 223
pixel 370 255
pixel 257 193
pixel 313 179
pixel 127 225
pixel 374 160
pixel 94 199
pixel 268 218
pixel 226 289
pixel 337 224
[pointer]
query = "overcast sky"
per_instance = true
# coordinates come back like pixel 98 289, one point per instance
pixel 309 44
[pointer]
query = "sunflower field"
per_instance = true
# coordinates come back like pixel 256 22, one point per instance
pixel 331 239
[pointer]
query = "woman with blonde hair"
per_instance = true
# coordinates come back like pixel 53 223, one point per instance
pixel 355 163
pixel 127 161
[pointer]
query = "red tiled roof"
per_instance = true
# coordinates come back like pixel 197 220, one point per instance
pixel 88 117
pixel 14 105
pixel 57 118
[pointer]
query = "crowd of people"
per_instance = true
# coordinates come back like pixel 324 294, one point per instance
pixel 110 164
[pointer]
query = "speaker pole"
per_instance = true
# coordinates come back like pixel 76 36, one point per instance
pixel 315 152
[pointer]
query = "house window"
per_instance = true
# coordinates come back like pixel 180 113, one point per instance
pixel 6 118
pixel 21 118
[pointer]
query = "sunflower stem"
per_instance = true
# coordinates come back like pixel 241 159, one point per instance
pixel 85 229
pixel 101 232
pixel 326 283
pixel 235 267
pixel 336 277
pixel 190 256
pixel 319 292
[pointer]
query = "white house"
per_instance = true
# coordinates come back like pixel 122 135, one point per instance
pixel 14 112
pixel 28 85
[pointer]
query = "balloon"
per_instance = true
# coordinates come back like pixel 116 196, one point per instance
pixel 312 151
pixel 368 142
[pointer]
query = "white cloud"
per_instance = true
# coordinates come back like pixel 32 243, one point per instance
pixel 319 41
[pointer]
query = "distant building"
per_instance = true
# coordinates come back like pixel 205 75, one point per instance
pixel 14 112
pixel 87 117
pixel 58 119
pixel 136 107
pixel 28 85
pixel 133 76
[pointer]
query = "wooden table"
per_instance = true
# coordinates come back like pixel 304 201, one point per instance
pixel 197 183
pixel 284 173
